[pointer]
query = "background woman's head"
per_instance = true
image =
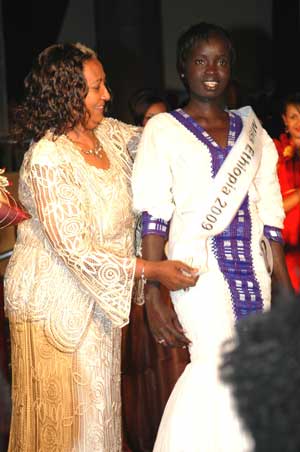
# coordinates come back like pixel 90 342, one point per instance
pixel 290 113
pixel 146 103
pixel 192 37
pixel 56 90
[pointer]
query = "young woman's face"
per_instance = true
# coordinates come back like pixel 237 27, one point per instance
pixel 291 119
pixel 153 110
pixel 98 94
pixel 208 68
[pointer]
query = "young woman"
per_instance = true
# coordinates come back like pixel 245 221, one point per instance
pixel 211 173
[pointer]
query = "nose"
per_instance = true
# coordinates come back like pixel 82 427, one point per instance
pixel 105 95
pixel 211 67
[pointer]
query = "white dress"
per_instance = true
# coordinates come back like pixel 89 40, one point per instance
pixel 172 174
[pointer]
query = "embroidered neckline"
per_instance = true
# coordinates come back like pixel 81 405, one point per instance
pixel 186 120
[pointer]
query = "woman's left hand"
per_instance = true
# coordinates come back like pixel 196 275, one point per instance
pixel 163 322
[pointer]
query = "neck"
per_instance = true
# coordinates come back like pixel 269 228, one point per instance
pixel 84 138
pixel 296 143
pixel 80 131
pixel 210 110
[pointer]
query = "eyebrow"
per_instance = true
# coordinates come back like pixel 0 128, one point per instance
pixel 100 79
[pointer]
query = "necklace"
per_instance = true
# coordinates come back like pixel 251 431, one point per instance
pixel 96 151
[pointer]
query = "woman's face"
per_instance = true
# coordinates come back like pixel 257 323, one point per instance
pixel 208 68
pixel 153 110
pixel 98 94
pixel 291 119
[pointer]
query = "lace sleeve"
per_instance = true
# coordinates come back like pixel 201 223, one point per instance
pixel 63 209
pixel 132 135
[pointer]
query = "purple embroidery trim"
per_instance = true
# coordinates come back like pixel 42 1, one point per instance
pixel 232 247
pixel 274 234
pixel 152 225
pixel 202 135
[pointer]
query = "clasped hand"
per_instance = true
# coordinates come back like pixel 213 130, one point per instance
pixel 175 275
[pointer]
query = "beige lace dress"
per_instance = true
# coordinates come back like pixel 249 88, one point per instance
pixel 67 294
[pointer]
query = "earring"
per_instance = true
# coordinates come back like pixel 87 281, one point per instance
pixel 182 75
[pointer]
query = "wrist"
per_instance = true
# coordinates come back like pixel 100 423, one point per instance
pixel 151 270
pixel 152 283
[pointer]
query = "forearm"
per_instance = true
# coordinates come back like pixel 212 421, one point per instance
pixel 162 319
pixel 291 200
pixel 280 277
pixel 153 247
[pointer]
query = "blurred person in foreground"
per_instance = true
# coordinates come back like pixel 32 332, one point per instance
pixel 69 281
pixel 262 368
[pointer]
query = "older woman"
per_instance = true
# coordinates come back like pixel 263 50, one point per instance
pixel 69 282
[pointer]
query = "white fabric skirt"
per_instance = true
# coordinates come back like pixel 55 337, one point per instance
pixel 200 415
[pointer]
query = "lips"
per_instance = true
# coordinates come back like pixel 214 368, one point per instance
pixel 211 84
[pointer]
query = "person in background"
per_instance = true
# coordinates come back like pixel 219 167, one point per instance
pixel 233 96
pixel 149 371
pixel 261 365
pixel 68 284
pixel 288 147
pixel 146 103
pixel 210 174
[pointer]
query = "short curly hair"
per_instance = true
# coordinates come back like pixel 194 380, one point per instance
pixel 55 90
pixel 199 32
pixel 263 369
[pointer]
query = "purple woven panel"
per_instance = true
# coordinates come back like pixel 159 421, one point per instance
pixel 232 247
pixel 152 225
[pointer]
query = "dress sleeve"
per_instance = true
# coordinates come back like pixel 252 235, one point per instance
pixel 65 214
pixel 152 176
pixel 132 135
pixel 152 225
pixel 270 207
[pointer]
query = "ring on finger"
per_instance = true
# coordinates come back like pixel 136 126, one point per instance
pixel 161 341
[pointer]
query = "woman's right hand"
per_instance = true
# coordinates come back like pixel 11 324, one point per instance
pixel 174 275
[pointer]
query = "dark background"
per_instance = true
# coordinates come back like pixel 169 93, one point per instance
pixel 135 40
